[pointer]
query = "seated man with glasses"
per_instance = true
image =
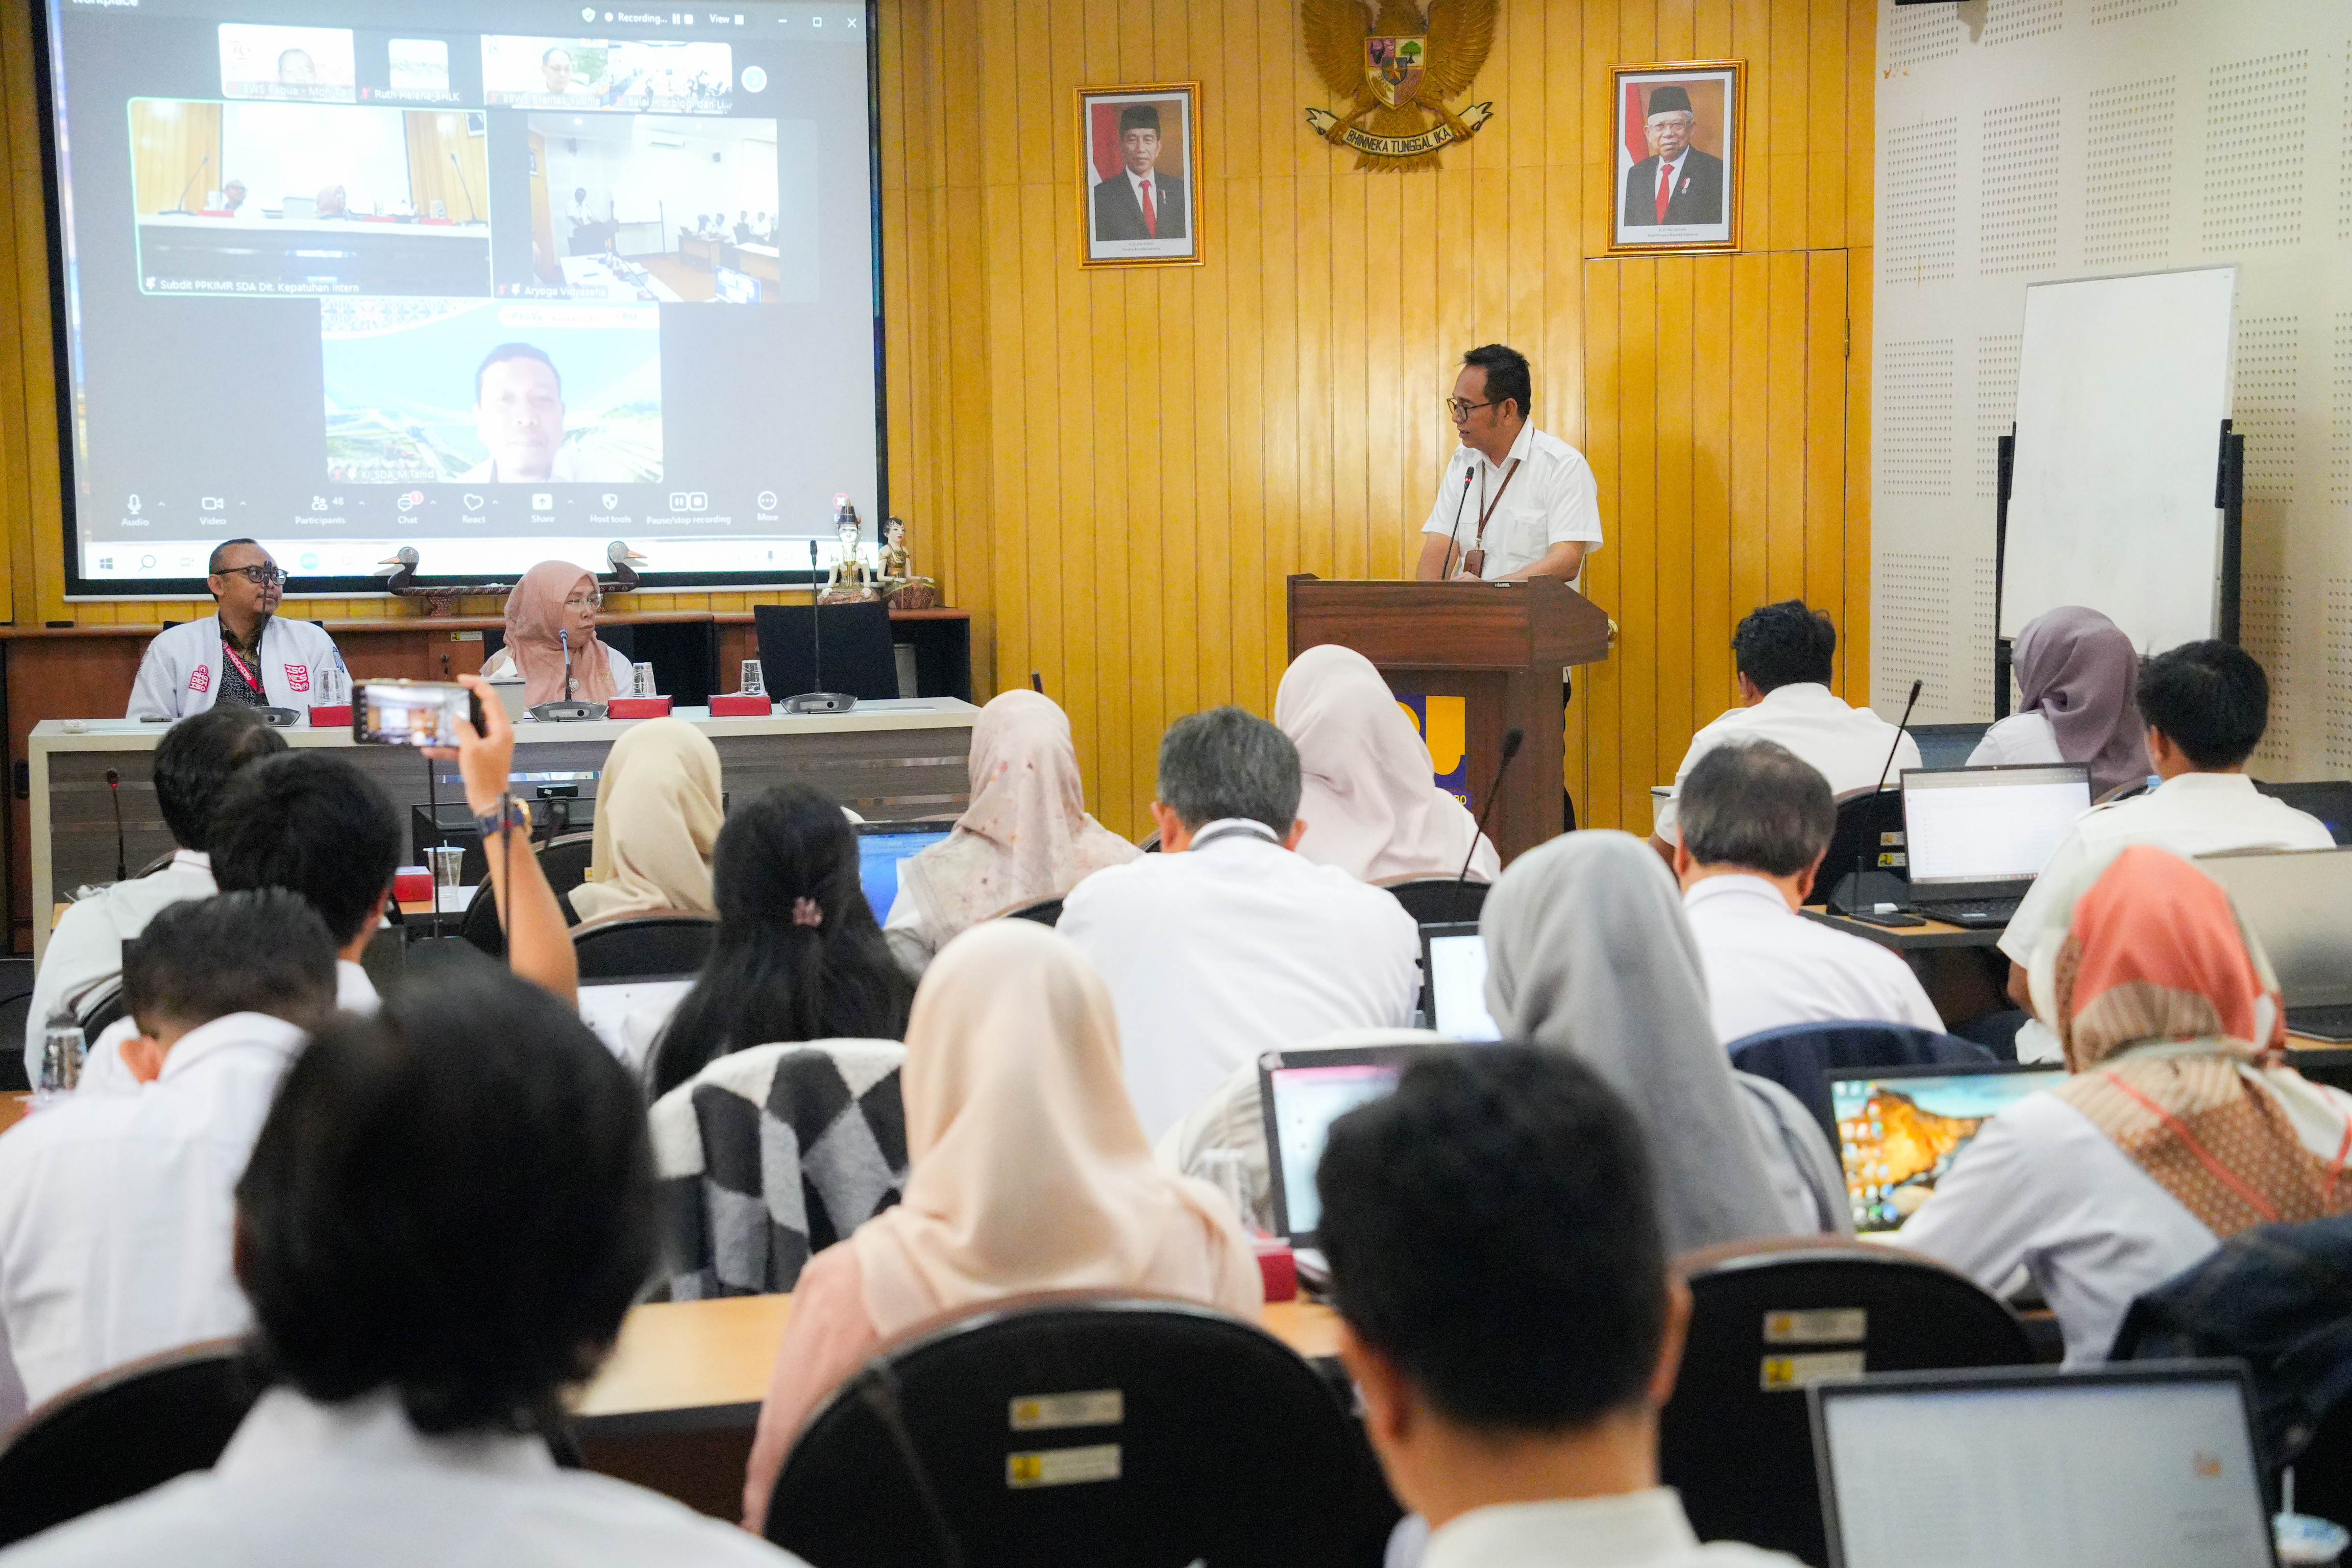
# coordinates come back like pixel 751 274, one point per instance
pixel 243 652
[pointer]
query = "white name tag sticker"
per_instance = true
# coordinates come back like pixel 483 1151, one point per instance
pixel 1051 1412
pixel 1788 1374
pixel 1820 1326
pixel 1062 1467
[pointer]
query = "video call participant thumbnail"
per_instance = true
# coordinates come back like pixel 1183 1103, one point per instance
pixel 242 653
pixel 518 414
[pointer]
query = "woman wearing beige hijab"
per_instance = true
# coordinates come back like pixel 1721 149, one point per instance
pixel 556 600
pixel 1366 794
pixel 657 816
pixel 1028 1172
pixel 1024 838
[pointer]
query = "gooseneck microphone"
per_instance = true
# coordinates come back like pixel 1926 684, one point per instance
pixel 182 204
pixel 1513 739
pixel 817 700
pixel 1854 899
pixel 474 213
pixel 121 853
pixel 1452 535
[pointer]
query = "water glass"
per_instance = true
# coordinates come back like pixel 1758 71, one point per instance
pixel 643 684
pixel 754 682
pixel 63 1047
pixel 448 862
pixel 333 692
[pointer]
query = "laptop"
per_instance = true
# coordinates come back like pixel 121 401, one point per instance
pixel 2298 904
pixel 1453 981
pixel 1300 1093
pixel 1976 838
pixel 2138 1465
pixel 1898 1129
pixel 882 848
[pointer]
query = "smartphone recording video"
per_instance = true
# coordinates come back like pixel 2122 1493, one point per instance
pixel 412 712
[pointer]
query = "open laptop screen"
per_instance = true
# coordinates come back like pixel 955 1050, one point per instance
pixel 1303 1093
pixel 2123 1467
pixel 882 847
pixel 1974 826
pixel 1455 960
pixel 1899 1129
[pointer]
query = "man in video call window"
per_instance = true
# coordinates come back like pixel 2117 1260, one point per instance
pixel 555 64
pixel 233 199
pixel 295 69
pixel 1140 202
pixel 518 414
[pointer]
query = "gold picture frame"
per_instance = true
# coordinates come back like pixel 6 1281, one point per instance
pixel 1691 204
pixel 1124 216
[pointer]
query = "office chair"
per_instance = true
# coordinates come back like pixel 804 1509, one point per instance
pixel 2330 800
pixel 858 655
pixel 121 1433
pixel 1801 1057
pixel 1862 822
pixel 1045 912
pixel 563 861
pixel 1766 1317
pixel 1089 1429
pixel 1436 901
pixel 15 1007
pixel 644 947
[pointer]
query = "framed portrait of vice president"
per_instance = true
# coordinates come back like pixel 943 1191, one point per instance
pixel 1679 150
pixel 1139 176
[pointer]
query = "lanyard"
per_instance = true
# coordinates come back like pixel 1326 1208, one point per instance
pixel 252 673
pixel 1488 510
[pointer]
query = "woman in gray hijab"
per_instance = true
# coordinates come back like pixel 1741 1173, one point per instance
pixel 2078 687
pixel 1587 952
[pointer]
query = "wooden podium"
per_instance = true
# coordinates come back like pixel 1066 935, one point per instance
pixel 1500 645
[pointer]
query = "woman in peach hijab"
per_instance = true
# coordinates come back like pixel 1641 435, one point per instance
pixel 557 597
pixel 657 818
pixel 1367 797
pixel 1028 1172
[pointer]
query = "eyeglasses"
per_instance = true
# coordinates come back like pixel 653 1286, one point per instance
pixel 584 602
pixel 260 576
pixel 1461 410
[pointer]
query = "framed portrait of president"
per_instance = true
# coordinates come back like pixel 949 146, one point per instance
pixel 1138 168
pixel 1679 147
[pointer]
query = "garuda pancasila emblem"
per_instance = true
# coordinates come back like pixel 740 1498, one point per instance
pixel 1400 67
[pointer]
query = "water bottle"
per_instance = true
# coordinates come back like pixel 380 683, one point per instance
pixel 63 1047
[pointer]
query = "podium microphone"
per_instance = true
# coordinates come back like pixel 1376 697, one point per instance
pixel 122 857
pixel 564 634
pixel 182 204
pixel 1854 898
pixel 1452 535
pixel 570 707
pixel 474 214
pixel 1513 739
pixel 819 701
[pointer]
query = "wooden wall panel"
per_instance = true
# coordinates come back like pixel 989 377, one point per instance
pixel 1115 469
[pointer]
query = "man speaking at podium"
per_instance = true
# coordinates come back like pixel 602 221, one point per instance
pixel 1515 502
pixel 243 652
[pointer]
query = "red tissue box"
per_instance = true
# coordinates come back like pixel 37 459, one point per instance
pixel 1278 1268
pixel 736 705
pixel 411 885
pixel 332 718
pixel 638 708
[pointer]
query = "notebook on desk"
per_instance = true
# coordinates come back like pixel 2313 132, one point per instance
pixel 1976 838
pixel 1300 1093
pixel 1898 1129
pixel 2298 904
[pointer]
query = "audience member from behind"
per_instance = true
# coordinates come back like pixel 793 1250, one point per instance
pixel 1588 955
pixel 1365 793
pixel 2177 1129
pixel 797 955
pixel 1227 945
pixel 1026 837
pixel 312 823
pixel 1028 1172
pixel 556 600
pixel 193 762
pixel 2207 704
pixel 446 1217
pixel 1785 655
pixel 1755 822
pixel 659 810
pixel 1506 1314
pixel 2078 679
pixel 115 1209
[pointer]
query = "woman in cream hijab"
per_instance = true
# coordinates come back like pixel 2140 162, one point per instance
pixel 657 816
pixel 1024 838
pixel 1028 1172
pixel 1367 798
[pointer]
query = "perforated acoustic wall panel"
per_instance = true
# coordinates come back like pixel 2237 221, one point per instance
pixel 2028 141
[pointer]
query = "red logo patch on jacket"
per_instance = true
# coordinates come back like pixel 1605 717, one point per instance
pixel 200 679
pixel 297 676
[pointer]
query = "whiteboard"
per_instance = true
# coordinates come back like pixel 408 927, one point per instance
pixel 2122 385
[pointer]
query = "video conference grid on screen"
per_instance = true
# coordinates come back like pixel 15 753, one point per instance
pixel 500 281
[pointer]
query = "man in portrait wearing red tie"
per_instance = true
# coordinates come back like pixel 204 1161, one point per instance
pixel 1140 202
pixel 1677 183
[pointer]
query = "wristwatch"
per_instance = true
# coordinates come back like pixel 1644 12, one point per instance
pixel 509 813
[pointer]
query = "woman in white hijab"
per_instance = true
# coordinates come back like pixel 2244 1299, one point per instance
pixel 1024 838
pixel 1587 952
pixel 1027 1171
pixel 1367 798
pixel 657 816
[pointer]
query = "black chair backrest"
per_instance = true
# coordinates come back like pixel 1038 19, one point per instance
pixel 1179 1435
pixel 644 946
pixel 103 1011
pixel 1799 1056
pixel 858 653
pixel 1860 822
pixel 1766 1318
pixel 15 1007
pixel 122 1432
pixel 2330 800
pixel 1045 912
pixel 565 862
pixel 1437 900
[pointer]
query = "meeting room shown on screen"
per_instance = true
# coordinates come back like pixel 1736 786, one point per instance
pixel 347 280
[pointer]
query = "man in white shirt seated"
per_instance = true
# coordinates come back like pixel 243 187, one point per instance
pixel 115 1209
pixel 1226 945
pixel 243 652
pixel 1506 1314
pixel 446 1217
pixel 193 763
pixel 1755 822
pixel 2207 704
pixel 1784 655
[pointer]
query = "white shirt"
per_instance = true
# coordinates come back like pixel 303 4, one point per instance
pixel 180 673
pixel 1847 745
pixel 86 948
pixel 104 1072
pixel 1631 1530
pixel 2019 739
pixel 355 1485
pixel 116 1210
pixel 2043 1188
pixel 1233 947
pixel 624 672
pixel 1768 965
pixel 1553 500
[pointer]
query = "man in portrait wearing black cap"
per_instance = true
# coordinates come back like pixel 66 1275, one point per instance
pixel 1140 202
pixel 1677 184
